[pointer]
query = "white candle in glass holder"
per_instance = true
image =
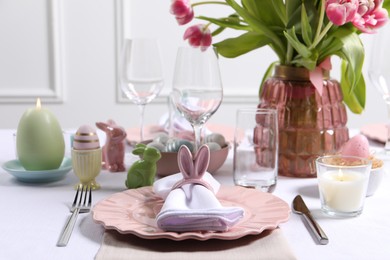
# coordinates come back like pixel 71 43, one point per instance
pixel 343 190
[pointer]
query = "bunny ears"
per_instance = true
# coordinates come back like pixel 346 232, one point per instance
pixel 193 169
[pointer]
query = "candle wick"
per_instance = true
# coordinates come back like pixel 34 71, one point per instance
pixel 340 175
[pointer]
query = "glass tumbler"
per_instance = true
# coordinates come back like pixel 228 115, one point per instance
pixel 255 162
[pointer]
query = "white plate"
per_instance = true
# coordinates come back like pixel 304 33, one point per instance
pixel 14 168
pixel 134 212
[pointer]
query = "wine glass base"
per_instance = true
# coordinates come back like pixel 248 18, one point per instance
pixel 381 153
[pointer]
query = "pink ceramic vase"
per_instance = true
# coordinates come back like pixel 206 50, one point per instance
pixel 309 124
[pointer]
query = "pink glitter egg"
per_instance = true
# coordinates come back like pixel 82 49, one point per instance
pixel 356 146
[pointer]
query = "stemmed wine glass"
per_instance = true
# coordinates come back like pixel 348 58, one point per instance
pixel 141 73
pixel 197 87
pixel 379 71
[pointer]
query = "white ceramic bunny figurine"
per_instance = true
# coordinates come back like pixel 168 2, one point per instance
pixel 193 169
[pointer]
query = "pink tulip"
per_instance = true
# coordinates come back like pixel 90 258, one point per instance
pixel 340 12
pixel 370 16
pixel 182 10
pixel 365 6
pixel 198 36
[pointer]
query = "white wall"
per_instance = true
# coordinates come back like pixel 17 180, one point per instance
pixel 88 44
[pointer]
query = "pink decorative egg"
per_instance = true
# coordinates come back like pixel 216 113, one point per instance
pixel 86 138
pixel 356 146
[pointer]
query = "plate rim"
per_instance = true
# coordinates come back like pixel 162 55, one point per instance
pixel 39 176
pixel 196 235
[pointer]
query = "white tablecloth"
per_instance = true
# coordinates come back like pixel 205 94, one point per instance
pixel 32 216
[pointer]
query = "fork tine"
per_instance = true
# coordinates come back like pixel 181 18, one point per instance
pixel 75 198
pixel 81 196
pixel 82 204
pixel 84 195
pixel 86 198
pixel 90 197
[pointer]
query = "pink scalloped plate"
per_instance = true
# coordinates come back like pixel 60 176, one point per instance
pixel 134 212
pixel 377 132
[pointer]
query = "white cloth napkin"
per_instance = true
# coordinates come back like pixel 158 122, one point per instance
pixel 193 207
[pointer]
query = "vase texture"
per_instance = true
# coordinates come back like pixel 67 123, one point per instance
pixel 310 124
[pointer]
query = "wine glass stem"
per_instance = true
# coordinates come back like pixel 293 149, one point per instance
pixel 141 121
pixel 387 145
pixel 198 136
pixel 171 112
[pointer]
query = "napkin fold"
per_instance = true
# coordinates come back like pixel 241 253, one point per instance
pixel 193 207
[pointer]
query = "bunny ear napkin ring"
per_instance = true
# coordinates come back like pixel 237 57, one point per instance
pixel 193 169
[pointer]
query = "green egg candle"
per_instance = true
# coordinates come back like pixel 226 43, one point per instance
pixel 39 140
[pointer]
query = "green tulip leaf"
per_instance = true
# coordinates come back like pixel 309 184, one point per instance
pixel 352 53
pixel 267 74
pixel 305 27
pixel 280 9
pixel 292 38
pixel 386 5
pixel 230 22
pixel 293 10
pixel 234 47
pixel 354 99
pixel 218 31
pixel 309 63
pixel 328 47
pixel 265 11
pixel 260 27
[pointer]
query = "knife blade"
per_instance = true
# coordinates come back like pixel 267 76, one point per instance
pixel 299 207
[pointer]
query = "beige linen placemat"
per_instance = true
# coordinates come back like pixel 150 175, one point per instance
pixel 268 245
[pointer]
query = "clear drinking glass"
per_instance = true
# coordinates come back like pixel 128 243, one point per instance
pixel 141 73
pixel 197 87
pixel 255 162
pixel 379 71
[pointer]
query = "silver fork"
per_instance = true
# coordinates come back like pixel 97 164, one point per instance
pixel 81 204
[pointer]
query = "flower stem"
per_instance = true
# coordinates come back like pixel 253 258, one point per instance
pixel 289 54
pixel 208 2
pixel 321 19
pixel 321 36
pixel 206 26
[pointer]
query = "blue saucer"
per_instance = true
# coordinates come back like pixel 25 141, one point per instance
pixel 14 168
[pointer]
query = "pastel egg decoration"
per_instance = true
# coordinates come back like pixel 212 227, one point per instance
pixel 39 140
pixel 86 138
pixel 213 146
pixel 216 138
pixel 161 138
pixel 360 147
pixel 173 145
pixel 157 145
pixel 86 156
pixel 167 165
pixel 356 146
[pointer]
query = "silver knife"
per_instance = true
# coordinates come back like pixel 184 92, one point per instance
pixel 299 207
